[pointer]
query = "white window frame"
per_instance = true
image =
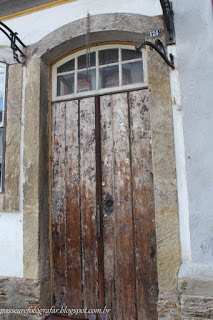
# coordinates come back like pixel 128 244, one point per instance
pixel 97 67
pixel 3 65
pixel 2 126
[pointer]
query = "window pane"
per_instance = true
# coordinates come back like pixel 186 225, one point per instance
pixel 108 56
pixel 1 109
pixel 82 61
pixel 2 69
pixel 132 72
pixel 86 81
pixel 1 144
pixel 108 77
pixel 1 84
pixel 68 66
pixel 130 54
pixel 65 84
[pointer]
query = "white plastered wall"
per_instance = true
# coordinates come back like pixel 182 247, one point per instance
pixel 33 27
pixel 11 244
pixel 194 35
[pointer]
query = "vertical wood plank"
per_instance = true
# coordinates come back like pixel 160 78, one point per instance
pixel 99 202
pixel 59 205
pixel 74 268
pixel 107 155
pixel 125 267
pixel 88 202
pixel 143 204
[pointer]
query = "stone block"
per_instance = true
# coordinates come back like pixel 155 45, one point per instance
pixel 197 306
pixel 13 138
pixel 165 186
pixel 19 293
pixel 31 170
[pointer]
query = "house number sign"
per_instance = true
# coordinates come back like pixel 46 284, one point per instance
pixel 154 33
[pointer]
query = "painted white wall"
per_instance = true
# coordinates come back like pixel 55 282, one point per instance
pixel 11 244
pixel 33 27
pixel 194 39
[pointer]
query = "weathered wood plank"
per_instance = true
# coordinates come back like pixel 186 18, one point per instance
pixel 59 205
pixel 143 204
pixel 88 202
pixel 74 288
pixel 99 202
pixel 107 154
pixel 125 267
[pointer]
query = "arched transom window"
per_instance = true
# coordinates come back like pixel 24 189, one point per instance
pixel 106 69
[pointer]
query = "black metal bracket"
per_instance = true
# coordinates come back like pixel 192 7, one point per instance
pixel 12 36
pixel 159 47
pixel 168 15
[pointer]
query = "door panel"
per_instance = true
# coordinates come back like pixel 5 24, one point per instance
pixel 88 203
pixel 73 213
pixel 108 193
pixel 123 273
pixel 102 158
pixel 59 203
pixel 143 205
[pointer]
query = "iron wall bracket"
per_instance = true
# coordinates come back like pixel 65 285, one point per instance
pixel 159 47
pixel 168 15
pixel 12 36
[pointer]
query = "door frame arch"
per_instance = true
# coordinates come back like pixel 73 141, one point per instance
pixel 128 28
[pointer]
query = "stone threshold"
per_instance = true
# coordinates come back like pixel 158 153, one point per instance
pixel 51 317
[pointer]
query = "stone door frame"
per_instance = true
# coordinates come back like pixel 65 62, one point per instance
pixel 116 28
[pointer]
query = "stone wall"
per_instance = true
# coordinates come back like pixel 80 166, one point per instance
pixel 166 206
pixel 13 138
pixel 18 293
pixel 36 177
pixel 169 306
pixel 185 307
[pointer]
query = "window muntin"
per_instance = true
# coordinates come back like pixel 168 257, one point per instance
pixel 111 67
pixel 2 110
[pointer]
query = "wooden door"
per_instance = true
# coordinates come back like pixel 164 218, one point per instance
pixel 104 251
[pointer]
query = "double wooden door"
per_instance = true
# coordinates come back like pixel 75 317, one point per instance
pixel 104 251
